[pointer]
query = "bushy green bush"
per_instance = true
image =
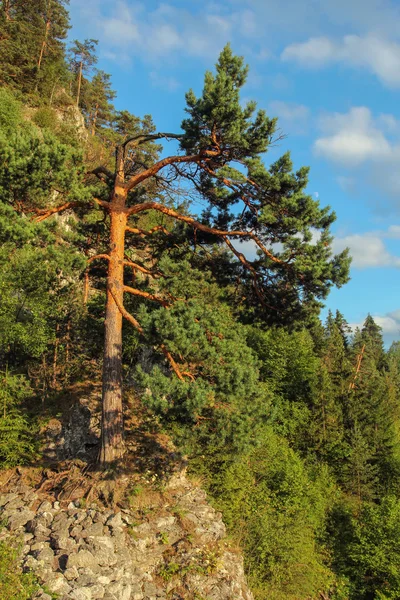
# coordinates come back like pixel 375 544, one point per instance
pixel 14 585
pixel 46 118
pixel 17 433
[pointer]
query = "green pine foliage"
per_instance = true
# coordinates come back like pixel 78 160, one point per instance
pixel 293 424
pixel 17 434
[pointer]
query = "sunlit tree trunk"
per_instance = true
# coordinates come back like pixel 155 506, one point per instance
pixel 112 439
pixel 78 95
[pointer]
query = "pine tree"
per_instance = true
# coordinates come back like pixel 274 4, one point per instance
pixel 369 414
pixel 97 102
pixel 33 35
pixel 218 134
pixel 83 57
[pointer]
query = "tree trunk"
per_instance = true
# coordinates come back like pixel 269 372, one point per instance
pixel 112 431
pixel 55 356
pixel 94 120
pixel 44 44
pixel 6 7
pixel 79 83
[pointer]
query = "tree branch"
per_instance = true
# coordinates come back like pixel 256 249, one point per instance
pixel 196 224
pixel 102 171
pixel 146 295
pixel 125 313
pixel 143 232
pixel 139 328
pixel 45 213
pixel 151 171
pixel 137 267
pixel 248 265
pixel 142 138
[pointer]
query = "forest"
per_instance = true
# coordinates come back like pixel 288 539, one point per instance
pixel 122 262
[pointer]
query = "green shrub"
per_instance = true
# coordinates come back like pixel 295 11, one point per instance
pixel 14 585
pixel 17 435
pixel 46 118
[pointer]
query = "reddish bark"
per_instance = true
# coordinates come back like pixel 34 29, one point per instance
pixel 112 439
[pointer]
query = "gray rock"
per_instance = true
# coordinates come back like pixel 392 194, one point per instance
pixel 30 563
pixel 81 594
pixel 45 506
pixel 15 504
pixel 59 585
pixel 83 558
pixel 115 521
pixel 63 542
pixel 97 591
pixel 71 574
pixel 100 517
pixel 76 531
pixel 95 529
pixel 20 519
pixel 5 498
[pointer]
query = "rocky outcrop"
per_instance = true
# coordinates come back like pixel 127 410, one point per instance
pixel 167 544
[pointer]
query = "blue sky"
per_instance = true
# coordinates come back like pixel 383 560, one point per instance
pixel 329 69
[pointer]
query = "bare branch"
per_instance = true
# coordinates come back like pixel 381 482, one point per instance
pixel 137 267
pixel 151 171
pixel 125 313
pixel 139 328
pixel 98 256
pixel 142 138
pixel 174 365
pixel 197 225
pixel 46 213
pixel 143 232
pixel 146 295
pixel 99 171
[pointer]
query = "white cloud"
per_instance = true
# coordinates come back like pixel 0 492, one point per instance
pixel 355 137
pixel 378 55
pixel 311 16
pixel 368 145
pixel 164 82
pixel 368 250
pixel 390 324
pixel 133 29
pixel 294 118
pixel 316 52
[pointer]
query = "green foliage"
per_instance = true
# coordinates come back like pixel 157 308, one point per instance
pixel 366 548
pixel 14 585
pixel 46 118
pixel 299 449
pixel 33 37
pixel 10 111
pixel 18 443
pixel 279 506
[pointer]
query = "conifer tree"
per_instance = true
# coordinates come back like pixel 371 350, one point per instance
pixel 83 57
pixel 33 35
pixel 369 415
pixel 97 102
pixel 219 135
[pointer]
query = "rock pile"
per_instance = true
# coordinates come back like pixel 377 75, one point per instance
pixel 175 552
